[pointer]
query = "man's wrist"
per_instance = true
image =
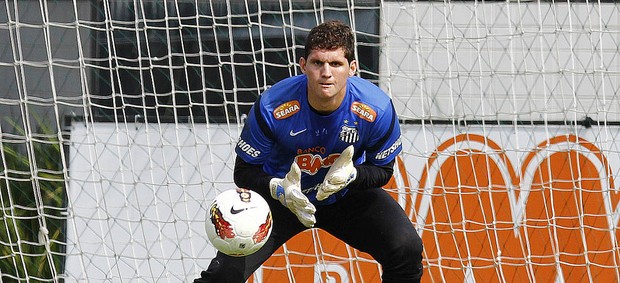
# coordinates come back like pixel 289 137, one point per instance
pixel 276 189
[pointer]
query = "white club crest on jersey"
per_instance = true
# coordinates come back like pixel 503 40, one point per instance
pixel 349 134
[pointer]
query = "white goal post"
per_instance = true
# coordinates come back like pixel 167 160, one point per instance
pixel 120 117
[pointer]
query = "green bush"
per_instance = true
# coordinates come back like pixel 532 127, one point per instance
pixel 32 196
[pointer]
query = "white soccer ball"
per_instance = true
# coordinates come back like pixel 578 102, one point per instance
pixel 238 222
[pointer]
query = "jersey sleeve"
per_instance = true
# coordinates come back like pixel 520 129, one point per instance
pixel 256 139
pixel 387 143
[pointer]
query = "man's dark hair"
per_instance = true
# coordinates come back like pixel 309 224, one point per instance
pixel 331 35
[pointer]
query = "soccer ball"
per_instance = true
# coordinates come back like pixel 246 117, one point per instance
pixel 238 222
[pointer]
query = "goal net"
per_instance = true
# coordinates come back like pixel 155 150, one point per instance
pixel 120 117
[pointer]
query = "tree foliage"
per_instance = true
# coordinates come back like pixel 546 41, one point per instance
pixel 32 202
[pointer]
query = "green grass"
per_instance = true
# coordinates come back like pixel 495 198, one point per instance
pixel 32 195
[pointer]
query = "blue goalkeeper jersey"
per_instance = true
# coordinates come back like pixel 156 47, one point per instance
pixel 282 128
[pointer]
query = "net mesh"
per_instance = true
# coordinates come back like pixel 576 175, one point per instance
pixel 119 120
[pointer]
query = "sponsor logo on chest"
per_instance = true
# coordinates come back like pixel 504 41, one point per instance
pixel 286 110
pixel 363 111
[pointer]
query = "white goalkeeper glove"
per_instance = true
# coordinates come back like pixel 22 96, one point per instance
pixel 288 192
pixel 339 175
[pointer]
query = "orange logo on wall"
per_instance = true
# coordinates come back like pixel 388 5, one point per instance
pixel 555 219
pixel 480 219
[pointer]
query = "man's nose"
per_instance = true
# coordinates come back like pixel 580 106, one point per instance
pixel 326 70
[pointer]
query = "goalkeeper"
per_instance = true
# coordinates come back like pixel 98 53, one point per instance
pixel 318 147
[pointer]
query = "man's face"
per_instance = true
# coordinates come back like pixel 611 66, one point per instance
pixel 327 72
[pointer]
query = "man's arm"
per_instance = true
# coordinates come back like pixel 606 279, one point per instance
pixel 251 176
pixel 372 176
pixel 344 174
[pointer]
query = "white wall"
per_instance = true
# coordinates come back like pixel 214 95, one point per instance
pixel 138 196
pixel 502 60
pixel 139 193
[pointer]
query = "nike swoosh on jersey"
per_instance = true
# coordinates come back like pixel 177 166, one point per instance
pixel 297 133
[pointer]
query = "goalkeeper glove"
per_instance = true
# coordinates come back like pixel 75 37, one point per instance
pixel 288 192
pixel 340 174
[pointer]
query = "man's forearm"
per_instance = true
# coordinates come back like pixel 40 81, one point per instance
pixel 250 176
pixel 372 176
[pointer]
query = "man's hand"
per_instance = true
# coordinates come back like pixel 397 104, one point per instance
pixel 339 175
pixel 288 192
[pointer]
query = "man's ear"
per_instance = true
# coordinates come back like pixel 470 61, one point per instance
pixel 302 64
pixel 352 68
